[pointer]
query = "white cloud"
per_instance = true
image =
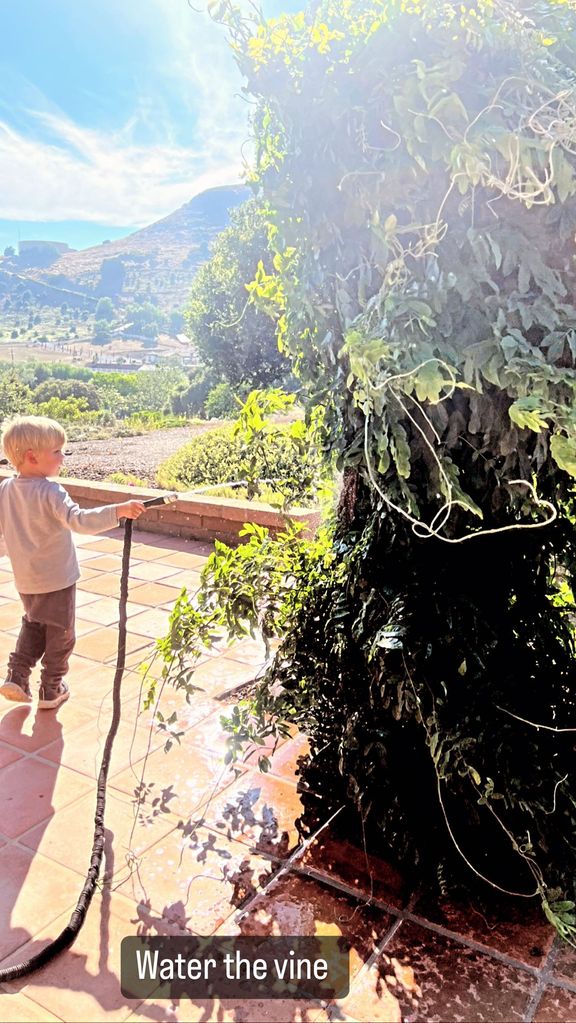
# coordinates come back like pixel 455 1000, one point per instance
pixel 52 168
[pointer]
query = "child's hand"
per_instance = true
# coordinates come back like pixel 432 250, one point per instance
pixel 130 509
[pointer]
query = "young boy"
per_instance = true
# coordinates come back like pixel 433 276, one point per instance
pixel 37 518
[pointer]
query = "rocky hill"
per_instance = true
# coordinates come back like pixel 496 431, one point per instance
pixel 157 262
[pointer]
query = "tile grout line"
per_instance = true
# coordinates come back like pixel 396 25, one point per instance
pixel 543 980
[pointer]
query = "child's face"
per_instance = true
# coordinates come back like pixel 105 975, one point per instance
pixel 46 462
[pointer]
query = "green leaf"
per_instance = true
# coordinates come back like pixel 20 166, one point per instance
pixel 563 451
pixel 527 419
pixel 430 383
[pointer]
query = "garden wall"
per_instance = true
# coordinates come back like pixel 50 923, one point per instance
pixel 193 517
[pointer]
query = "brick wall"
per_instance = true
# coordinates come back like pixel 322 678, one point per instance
pixel 194 517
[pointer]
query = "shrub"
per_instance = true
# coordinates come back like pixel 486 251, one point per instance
pixel 126 479
pixel 215 457
pixel 221 402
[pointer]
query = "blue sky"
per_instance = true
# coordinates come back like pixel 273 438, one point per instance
pixel 112 114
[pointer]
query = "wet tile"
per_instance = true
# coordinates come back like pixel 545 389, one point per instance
pixel 83 984
pixel 130 831
pixel 171 701
pixel 301 906
pixel 184 781
pixel 434 978
pixel 246 1010
pixel 564 961
pixel 30 730
pixel 339 860
pixel 192 881
pixel 32 791
pixel 33 892
pixel 286 760
pixel 556 1006
pixel 260 811
pixel 249 651
pixel 516 927
pixel 220 675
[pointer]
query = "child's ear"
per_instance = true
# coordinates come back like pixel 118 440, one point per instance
pixel 30 457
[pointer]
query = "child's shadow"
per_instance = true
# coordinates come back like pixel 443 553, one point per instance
pixel 21 879
pixel 26 798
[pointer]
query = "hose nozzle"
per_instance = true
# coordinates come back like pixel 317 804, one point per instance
pixel 163 499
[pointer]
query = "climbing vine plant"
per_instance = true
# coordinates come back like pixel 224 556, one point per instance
pixel 417 165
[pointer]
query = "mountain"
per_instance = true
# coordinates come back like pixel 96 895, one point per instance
pixel 157 262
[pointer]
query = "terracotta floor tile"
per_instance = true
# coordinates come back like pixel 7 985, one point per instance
pixel 19 1009
pixel 129 834
pixel 104 610
pixel 193 880
pixel 285 762
pixel 86 554
pixel 249 651
pixel 300 906
pixel 106 563
pixel 7 644
pixel 8 756
pixel 152 623
pixel 82 750
pixel 184 781
pixel 32 791
pixel 181 559
pixel 260 811
pixel 154 571
pixel 564 961
pixel 147 552
pixel 11 614
pixel 82 598
pixel 556 1006
pixel 108 545
pixel 29 729
pixel 435 978
pixel 209 734
pixel 83 984
pixel 172 701
pixel 87 573
pixel 8 589
pixel 517 928
pixel 154 594
pixel 108 585
pixel 6 575
pixel 33 892
pixel 245 1010
pixel 102 644
pixel 338 860
pixel 220 675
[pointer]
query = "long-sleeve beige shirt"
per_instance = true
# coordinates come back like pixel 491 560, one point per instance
pixel 37 519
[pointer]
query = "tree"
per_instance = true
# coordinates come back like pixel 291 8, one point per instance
pixel 235 338
pixel 9 251
pixel 104 310
pixel 112 276
pixel 417 164
pixel 63 389
pixel 14 395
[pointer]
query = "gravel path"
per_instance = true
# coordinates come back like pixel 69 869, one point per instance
pixel 141 456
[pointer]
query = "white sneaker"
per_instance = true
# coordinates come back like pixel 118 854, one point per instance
pixel 15 692
pixel 52 696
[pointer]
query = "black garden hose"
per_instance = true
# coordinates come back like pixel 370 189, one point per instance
pixel 70 932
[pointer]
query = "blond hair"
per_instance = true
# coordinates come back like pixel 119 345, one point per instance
pixel 29 433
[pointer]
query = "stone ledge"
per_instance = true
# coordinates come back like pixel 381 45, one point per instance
pixel 194 517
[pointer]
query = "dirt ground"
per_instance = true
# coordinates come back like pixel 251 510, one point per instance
pixel 140 456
